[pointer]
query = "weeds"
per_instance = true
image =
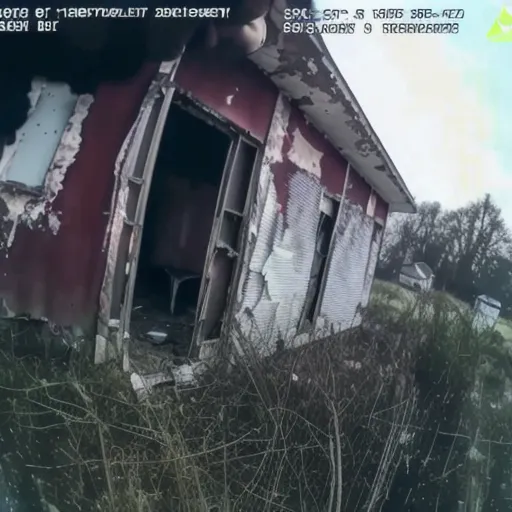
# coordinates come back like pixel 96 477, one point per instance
pixel 380 416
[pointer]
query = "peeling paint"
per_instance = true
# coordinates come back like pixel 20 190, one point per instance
pixel 279 258
pixel 22 207
pixel 280 265
pixel 231 97
pixel 68 148
pixel 304 155
pixel 226 247
pixel 312 66
pixel 9 151
pixel 306 72
pixel 274 146
pixel 53 222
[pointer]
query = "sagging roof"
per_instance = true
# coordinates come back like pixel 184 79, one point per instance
pixel 302 67
pixel 418 271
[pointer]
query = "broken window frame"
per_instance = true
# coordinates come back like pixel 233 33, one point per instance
pixel 130 202
pixel 316 289
pixel 13 185
pixel 328 262
pixel 216 245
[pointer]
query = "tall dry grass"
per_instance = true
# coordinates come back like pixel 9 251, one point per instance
pixel 380 416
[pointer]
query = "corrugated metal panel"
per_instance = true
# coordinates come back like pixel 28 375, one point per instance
pixel 298 167
pixel 288 268
pixel 283 227
pixel 346 274
pixel 236 90
pixel 56 273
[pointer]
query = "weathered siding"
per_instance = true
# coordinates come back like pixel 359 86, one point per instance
pixel 298 167
pixel 238 91
pixel 51 260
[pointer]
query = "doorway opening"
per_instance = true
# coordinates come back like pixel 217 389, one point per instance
pixel 180 215
pixel 328 214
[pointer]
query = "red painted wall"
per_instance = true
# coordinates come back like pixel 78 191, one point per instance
pixel 59 276
pixel 358 191
pixel 332 164
pixel 238 91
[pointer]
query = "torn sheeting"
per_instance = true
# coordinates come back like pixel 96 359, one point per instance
pixel 346 273
pixel 275 278
pixel 304 155
pixel 23 208
pixel 275 303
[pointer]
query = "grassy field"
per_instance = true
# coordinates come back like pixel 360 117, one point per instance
pixel 401 297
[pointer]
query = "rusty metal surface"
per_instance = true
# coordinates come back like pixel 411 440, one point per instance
pixel 302 68
pixel 237 90
pixel 53 268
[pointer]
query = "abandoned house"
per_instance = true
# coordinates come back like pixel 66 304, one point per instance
pixel 200 199
pixel 418 276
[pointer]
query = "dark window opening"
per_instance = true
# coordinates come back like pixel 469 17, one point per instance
pixel 324 234
pixel 177 230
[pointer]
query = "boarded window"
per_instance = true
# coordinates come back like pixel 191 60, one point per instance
pixel 27 160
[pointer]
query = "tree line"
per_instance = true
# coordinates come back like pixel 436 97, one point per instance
pixel 469 249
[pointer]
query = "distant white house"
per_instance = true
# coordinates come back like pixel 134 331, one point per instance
pixel 486 312
pixel 416 275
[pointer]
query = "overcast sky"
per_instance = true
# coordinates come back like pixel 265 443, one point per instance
pixel 441 104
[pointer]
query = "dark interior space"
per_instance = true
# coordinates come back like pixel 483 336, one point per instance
pixel 324 234
pixel 177 230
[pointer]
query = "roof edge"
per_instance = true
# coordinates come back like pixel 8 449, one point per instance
pixel 410 205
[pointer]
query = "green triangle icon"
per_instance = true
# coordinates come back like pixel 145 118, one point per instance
pixel 501 30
